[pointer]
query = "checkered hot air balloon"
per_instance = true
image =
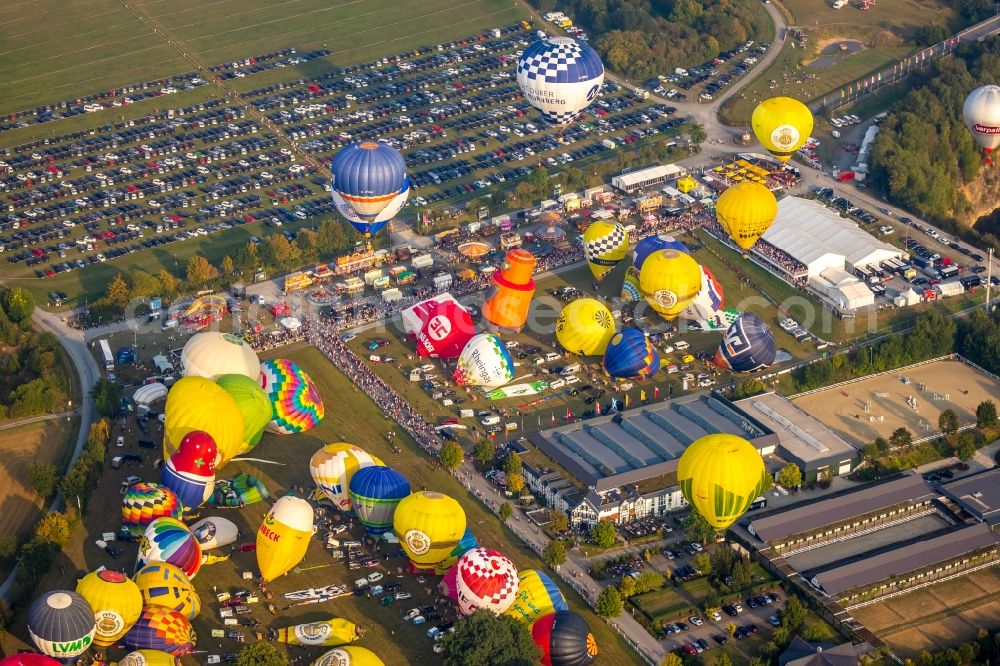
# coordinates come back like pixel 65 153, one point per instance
pixel 162 629
pixel 145 502
pixel 295 401
pixel 485 579
pixel 560 77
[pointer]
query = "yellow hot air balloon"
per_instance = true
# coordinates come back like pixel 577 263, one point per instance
pixel 196 403
pixel 166 585
pixel 585 327
pixel 284 536
pixel 335 631
pixel 351 655
pixel 117 603
pixel 720 476
pixel 537 595
pixel 604 245
pixel 333 466
pixel 746 210
pixel 782 125
pixel 428 525
pixel 148 658
pixel 669 280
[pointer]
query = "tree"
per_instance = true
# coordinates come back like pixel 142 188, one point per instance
pixel 900 438
pixel 881 446
pixel 712 600
pixel 200 272
pixel 54 528
pixel 948 422
pixel 648 581
pixel 609 603
pixel 18 303
pixel 260 653
pixel 790 476
pixel 142 284
pixel 603 534
pixel 558 520
pixel 116 293
pixel 515 483
pixel 485 639
pixel 168 281
pixel 731 629
pixel 870 452
pixel 793 615
pixel 8 546
pixel 42 478
pixel 702 563
pixel 483 453
pixel 451 455
pixel 672 659
pixel 107 396
pixel 554 553
pixel 931 33
pixel 227 268
pixel 966 448
pixel 695 132
pixel 697 528
pixel 722 659
pixel 505 511
pixel 627 586
pixel 742 574
pixel 986 414
pixel 512 463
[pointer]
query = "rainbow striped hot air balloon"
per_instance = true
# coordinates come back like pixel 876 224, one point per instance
pixel 145 502
pixel 161 629
pixel 375 491
pixel 296 405
pixel 171 541
pixel 631 354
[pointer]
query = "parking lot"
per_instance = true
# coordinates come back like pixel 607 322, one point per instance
pixel 705 81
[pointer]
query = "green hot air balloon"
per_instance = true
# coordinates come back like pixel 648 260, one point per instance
pixel 253 404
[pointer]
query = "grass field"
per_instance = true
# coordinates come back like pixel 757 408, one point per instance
pixel 903 16
pixel 662 603
pixel 696 589
pixel 351 416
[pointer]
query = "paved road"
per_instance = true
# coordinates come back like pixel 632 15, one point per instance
pixel 35 419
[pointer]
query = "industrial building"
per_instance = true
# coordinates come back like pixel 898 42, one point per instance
pixel 802 653
pixel 633 181
pixel 978 495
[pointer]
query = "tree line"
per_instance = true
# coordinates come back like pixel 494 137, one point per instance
pixel 644 38
pixel 30 381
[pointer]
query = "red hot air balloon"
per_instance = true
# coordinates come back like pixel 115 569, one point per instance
pixel 446 329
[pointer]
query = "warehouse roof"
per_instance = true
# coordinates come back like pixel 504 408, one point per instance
pixel 838 509
pixel 799 434
pixel 661 172
pixel 979 494
pixel 869 570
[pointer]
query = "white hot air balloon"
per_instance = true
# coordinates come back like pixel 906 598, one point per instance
pixel 212 354
pixel 214 532
pixel 982 116
pixel 560 77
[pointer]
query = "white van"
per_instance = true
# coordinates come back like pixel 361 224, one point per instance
pixel 570 369
pixel 557 384
pixel 490 420
pixel 681 344
pixel 552 356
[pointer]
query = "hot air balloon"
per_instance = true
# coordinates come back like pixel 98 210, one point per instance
pixel 631 354
pixel 537 595
pixel 214 532
pixel 374 494
pixel 708 302
pixel 347 656
pixel 212 354
pixel 61 624
pixel 165 585
pixel 585 327
pixel 244 489
pixel 428 525
pixel 333 466
pixel 510 292
pixel 296 405
pixel 565 639
pixel 446 330
pixel 630 286
pixel 981 112
pixel 145 502
pixel 253 403
pixel 782 125
pixel 746 210
pixel 369 184
pixel 335 631
pixel 747 346
pixel 116 602
pixel 29 659
pixel 465 544
pixel 484 362
pixel 485 579
pixel 196 403
pixel 148 658
pixel 605 244
pixel 669 280
pixel 560 77
pixel 720 476
pixel 651 244
pixel 169 540
pixel 284 536
pixel 190 470
pixel 161 629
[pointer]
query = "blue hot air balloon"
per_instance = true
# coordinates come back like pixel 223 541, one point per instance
pixel 651 244
pixel 747 346
pixel 375 491
pixel 369 184
pixel 631 354
pixel 560 77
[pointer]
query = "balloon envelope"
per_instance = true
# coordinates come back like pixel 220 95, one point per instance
pixel 145 502
pixel 537 595
pixel 61 624
pixel 631 354
pixel 161 629
pixel 669 280
pixel 29 659
pixel 148 658
pixel 243 490
pixel 651 244
pixel 350 655
pixel 333 466
pixel 115 600
pixel 708 302
pixel 296 405
pixel 214 532
pixel 605 244
pixel 720 476
pixel 782 125
pixel 196 403
pixel 630 286
pixel 335 631
pixel 253 403
pixel 169 540
pixel 485 579
pixel 981 112
pixel 565 639
pixel 369 184
pixel 747 346
pixel 283 536
pixel 746 210
pixel 485 361
pixel 429 525
pixel 585 327
pixel 374 494
pixel 560 77
pixel 465 544
pixel 212 354
pixel 163 584
pixel 446 330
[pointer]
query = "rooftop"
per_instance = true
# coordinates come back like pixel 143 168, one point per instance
pixel 632 178
pixel 801 653
pixel 837 509
pixel 801 435
pixel 979 494
pixel 869 570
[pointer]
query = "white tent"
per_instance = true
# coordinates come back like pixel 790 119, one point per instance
pixel 291 323
pixel 907 298
pixel 848 292
pixel 147 394
pixel 821 239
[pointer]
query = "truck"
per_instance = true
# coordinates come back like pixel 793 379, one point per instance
pixel 109 360
pixel 922 263
pixel 609 144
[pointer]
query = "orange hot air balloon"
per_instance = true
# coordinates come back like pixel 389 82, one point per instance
pixel 510 292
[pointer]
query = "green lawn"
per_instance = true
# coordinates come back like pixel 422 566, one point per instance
pixel 696 589
pixel 660 603
pixel 899 15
